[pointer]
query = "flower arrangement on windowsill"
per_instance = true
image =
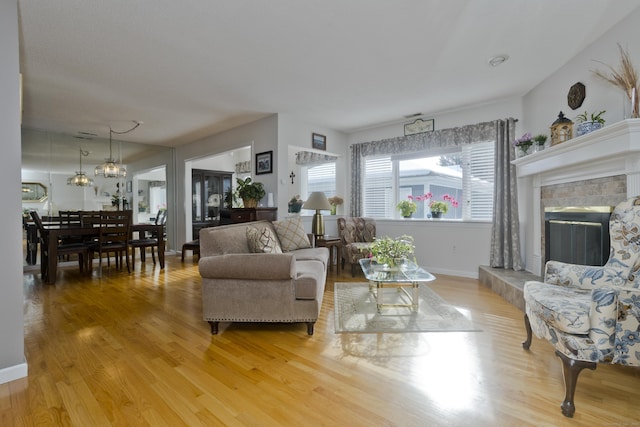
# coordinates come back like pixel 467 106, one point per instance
pixel 334 202
pixel 438 207
pixel 407 207
pixel 392 252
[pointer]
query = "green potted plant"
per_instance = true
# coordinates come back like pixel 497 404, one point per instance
pixel 407 208
pixel 250 192
pixel 588 123
pixel 295 204
pixel 540 141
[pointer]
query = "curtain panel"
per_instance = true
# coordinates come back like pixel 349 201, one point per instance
pixel 505 233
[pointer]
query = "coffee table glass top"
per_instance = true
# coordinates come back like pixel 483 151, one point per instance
pixel 408 272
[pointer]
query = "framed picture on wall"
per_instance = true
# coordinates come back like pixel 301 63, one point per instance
pixel 319 142
pixel 264 162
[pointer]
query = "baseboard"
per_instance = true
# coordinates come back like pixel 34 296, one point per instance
pixel 13 373
pixel 447 272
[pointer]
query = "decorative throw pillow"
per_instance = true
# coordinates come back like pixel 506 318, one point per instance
pixel 291 234
pixel 262 240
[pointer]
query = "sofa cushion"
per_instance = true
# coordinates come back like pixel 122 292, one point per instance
pixel 566 309
pixel 312 254
pixel 262 240
pixel 291 234
pixel 310 276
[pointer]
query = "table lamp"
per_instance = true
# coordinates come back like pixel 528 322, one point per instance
pixel 318 201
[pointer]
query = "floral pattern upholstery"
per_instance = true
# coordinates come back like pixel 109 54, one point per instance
pixel 588 313
pixel 356 235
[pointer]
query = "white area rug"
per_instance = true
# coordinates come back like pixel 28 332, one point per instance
pixel 355 311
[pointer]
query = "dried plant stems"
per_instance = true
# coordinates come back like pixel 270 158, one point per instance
pixel 625 77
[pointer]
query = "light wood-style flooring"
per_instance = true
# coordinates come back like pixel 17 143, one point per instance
pixel 133 350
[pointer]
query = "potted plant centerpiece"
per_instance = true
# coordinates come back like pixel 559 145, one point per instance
pixel 250 192
pixel 392 253
pixel 588 123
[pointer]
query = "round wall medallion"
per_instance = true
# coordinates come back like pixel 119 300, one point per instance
pixel 576 95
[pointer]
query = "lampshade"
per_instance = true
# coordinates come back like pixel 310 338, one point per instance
pixel 80 179
pixel 317 201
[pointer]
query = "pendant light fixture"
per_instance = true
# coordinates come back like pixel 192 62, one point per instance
pixel 80 179
pixel 110 168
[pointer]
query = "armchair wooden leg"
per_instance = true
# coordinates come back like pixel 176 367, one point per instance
pixel 571 369
pixel 527 326
pixel 214 327
pixel 310 326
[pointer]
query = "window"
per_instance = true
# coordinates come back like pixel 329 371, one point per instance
pixel 320 178
pixel 465 173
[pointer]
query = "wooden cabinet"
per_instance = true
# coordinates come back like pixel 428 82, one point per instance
pixel 207 197
pixel 238 215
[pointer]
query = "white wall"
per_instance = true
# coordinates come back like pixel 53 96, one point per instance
pixel 542 104
pixel 12 361
pixel 293 132
pixel 262 135
pixel 445 247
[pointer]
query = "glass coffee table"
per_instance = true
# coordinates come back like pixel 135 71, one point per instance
pixel 405 279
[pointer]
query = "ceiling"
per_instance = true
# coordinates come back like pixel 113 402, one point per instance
pixel 193 68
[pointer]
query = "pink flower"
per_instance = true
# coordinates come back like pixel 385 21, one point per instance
pixel 410 197
pixel 454 203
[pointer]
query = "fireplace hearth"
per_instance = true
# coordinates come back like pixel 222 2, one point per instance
pixel 577 235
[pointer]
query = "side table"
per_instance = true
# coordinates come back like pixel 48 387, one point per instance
pixel 331 243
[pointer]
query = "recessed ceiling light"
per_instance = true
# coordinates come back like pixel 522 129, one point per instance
pixel 494 61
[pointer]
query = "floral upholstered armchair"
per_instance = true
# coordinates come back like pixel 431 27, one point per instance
pixel 356 235
pixel 591 314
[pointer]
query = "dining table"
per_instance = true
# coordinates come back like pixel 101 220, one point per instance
pixel 57 231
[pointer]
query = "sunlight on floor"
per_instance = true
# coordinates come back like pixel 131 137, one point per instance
pixel 451 376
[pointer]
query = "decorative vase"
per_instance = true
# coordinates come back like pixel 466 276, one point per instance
pixel 586 127
pixel 334 208
pixel 523 150
pixel 631 106
pixel 436 215
pixel 295 207
pixel 407 216
pixel 250 203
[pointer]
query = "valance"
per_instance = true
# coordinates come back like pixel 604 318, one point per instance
pixel 308 158
pixel 451 137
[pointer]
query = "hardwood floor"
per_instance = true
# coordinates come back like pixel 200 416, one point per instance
pixel 133 350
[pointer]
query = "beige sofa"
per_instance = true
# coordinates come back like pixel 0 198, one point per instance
pixel 239 285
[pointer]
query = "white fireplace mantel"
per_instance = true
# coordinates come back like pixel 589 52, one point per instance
pixel 610 151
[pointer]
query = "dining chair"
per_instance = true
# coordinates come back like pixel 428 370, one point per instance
pixel 81 249
pixel 113 236
pixel 149 239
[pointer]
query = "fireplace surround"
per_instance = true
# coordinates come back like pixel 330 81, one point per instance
pixel 599 168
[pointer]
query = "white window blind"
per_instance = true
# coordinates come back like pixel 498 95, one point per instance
pixel 322 178
pixel 378 188
pixel 477 180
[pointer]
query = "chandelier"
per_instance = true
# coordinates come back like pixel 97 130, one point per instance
pixel 110 168
pixel 80 179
